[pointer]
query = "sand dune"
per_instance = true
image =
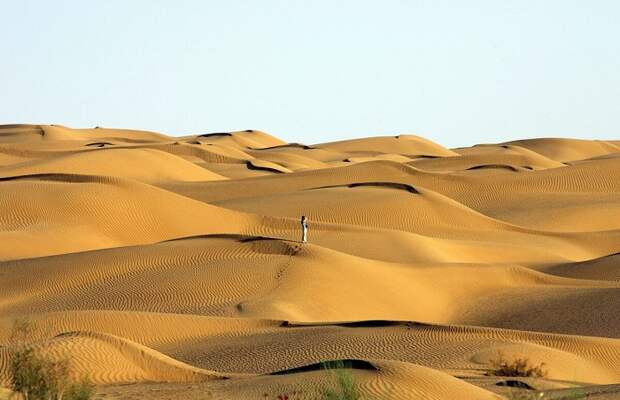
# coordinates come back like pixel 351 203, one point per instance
pixel 402 144
pixel 128 163
pixel 59 213
pixel 564 150
pixel 175 263
pixel 511 156
pixel 384 378
pixel 105 358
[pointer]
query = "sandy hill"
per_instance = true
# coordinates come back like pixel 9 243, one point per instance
pixel 174 264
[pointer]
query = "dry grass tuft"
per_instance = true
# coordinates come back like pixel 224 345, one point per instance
pixel 521 367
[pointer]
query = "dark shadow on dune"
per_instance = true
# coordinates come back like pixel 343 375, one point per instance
pixel 251 166
pixel 198 142
pixel 389 185
pixel 372 323
pixel 514 384
pixel 422 156
pixel 256 239
pixel 493 166
pixel 99 144
pixel 347 363
pixel 259 244
pixel 606 267
pixel 70 178
pixel 232 236
pixel 288 146
pixel 215 134
pixel 608 255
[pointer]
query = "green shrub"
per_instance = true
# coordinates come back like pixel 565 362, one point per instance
pixel 81 390
pixel 37 378
pixel 346 389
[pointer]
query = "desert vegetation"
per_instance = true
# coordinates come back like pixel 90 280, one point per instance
pixel 35 377
pixel 517 367
pixel 344 382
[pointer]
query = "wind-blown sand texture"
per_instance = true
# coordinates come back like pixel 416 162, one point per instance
pixel 174 264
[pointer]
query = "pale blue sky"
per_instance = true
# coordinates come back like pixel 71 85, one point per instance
pixel 456 72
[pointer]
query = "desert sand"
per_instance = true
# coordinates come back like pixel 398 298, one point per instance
pixel 171 267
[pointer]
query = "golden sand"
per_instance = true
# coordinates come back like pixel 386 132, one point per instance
pixel 175 264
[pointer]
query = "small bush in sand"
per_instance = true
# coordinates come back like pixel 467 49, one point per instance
pixel 517 367
pixel 37 378
pixel 346 389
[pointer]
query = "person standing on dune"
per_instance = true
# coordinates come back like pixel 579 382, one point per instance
pixel 304 229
